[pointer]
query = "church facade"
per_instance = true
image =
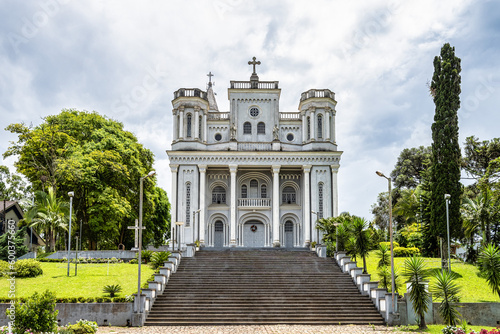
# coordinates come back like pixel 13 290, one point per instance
pixel 253 176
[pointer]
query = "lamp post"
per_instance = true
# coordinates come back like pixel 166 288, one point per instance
pixel 139 304
pixel 179 224
pixel 447 199
pixel 317 231
pixel 379 173
pixel 194 222
pixel 70 194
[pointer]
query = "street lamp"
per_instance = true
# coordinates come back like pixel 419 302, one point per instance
pixel 447 199
pixel 139 304
pixel 70 194
pixel 379 173
pixel 194 222
pixel 317 231
pixel 179 224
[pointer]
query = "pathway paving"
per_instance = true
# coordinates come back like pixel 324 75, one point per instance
pixel 259 329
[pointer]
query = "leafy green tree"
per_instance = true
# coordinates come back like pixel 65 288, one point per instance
pixel 408 206
pixel 49 214
pixel 478 155
pixel 334 228
pixel 411 163
pixel 159 220
pixel 446 156
pixel 102 163
pixel 416 274
pixel 380 211
pixel 446 289
pixel 38 314
pixel 18 242
pixel 489 266
pixel 12 186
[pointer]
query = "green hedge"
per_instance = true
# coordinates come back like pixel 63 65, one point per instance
pixel 388 244
pixel 83 260
pixel 66 300
pixel 405 252
pixel 27 268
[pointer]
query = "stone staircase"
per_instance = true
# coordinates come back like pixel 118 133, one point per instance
pixel 268 286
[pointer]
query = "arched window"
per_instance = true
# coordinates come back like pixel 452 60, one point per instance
pixel 188 203
pixel 308 127
pixel 261 128
pixel 320 200
pixel 263 191
pixel 247 128
pixel 189 125
pixel 288 196
pixel 320 126
pixel 200 121
pixel 244 191
pixel 219 195
pixel 254 189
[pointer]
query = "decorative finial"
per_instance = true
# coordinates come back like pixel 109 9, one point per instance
pixel 210 75
pixel 254 62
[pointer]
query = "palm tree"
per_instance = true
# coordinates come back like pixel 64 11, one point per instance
pixel 416 274
pixel 447 290
pixel 50 214
pixel 361 234
pixel 384 256
pixel 408 205
pixel 489 266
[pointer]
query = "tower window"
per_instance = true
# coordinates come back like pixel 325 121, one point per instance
pixel 263 191
pixel 289 137
pixel 288 196
pixel 244 191
pixel 247 128
pixel 200 122
pixel 320 126
pixel 188 204
pixel 218 137
pixel 261 128
pixel 254 112
pixel 189 125
pixel 320 200
pixel 308 128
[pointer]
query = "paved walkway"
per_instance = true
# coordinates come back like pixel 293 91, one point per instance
pixel 264 329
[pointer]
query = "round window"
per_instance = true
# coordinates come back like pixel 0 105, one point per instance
pixel 289 137
pixel 218 137
pixel 254 112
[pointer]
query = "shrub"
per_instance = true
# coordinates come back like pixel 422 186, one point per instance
pixel 112 289
pixel 388 244
pixel 406 252
pixel 90 300
pixel 158 259
pixel 38 313
pixel 133 261
pixel 120 300
pixel 81 299
pixel 146 256
pixel 83 327
pixel 4 268
pixel 27 268
pixel 99 299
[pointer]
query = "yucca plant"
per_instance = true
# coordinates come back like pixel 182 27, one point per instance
pixel 112 289
pixel 489 266
pixel 384 275
pixel 158 259
pixel 384 256
pixel 447 290
pixel 416 274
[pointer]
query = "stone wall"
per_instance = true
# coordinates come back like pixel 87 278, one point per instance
pixel 105 314
pixel 477 314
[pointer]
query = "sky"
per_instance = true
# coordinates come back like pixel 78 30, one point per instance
pixel 124 59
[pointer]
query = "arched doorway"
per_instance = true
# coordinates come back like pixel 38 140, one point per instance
pixel 219 234
pixel 254 234
pixel 289 234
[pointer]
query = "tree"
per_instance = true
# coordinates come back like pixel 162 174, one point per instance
pixel 411 163
pixel 49 214
pixel 12 186
pixel 158 223
pixel 489 266
pixel 380 210
pixel 102 163
pixel 446 289
pixel 416 274
pixel 17 242
pixel 478 155
pixel 361 234
pixel 332 233
pixel 446 157
pixel 408 206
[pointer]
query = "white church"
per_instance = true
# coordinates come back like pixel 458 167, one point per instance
pixel 253 176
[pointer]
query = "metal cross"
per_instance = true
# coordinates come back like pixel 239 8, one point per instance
pixel 254 62
pixel 136 228
pixel 210 75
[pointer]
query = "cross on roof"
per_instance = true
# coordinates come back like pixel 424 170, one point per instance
pixel 254 62
pixel 210 75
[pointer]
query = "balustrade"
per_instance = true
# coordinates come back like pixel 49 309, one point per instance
pixel 289 116
pixel 218 116
pixel 190 92
pixel 317 93
pixel 254 146
pixel 254 202
pixel 254 84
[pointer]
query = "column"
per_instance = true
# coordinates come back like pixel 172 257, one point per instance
pixel 196 122
pixel 181 123
pixel 327 123
pixel 173 203
pixel 335 198
pixel 201 217
pixel 276 205
pixel 307 206
pixel 313 123
pixel 204 126
pixel 304 127
pixel 175 134
pixel 232 223
pixel 333 128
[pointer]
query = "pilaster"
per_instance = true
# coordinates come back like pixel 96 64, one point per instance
pixel 335 200
pixel 201 218
pixel 173 202
pixel 276 205
pixel 232 170
pixel 307 205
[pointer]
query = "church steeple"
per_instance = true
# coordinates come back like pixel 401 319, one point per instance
pixel 254 79
pixel 212 103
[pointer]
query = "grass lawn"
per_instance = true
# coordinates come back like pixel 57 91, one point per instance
pixel 436 329
pixel 89 282
pixel 473 288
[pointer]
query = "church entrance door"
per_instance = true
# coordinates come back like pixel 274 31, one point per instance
pixel 219 234
pixel 254 234
pixel 289 234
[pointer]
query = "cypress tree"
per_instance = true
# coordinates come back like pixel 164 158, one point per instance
pixel 446 157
